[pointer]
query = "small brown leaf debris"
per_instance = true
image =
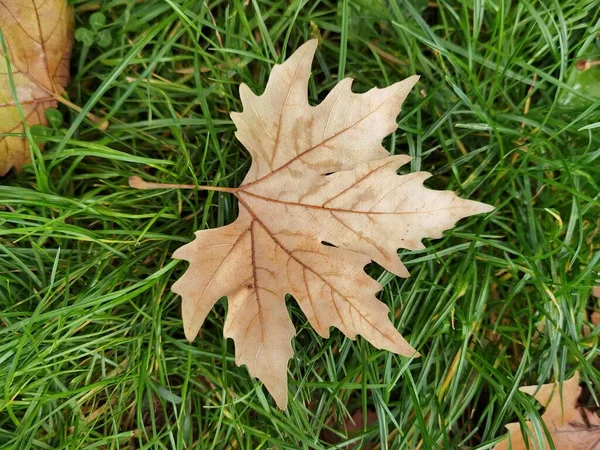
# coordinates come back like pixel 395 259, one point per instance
pixel 595 316
pixel 570 427
pixel 319 175
pixel 38 36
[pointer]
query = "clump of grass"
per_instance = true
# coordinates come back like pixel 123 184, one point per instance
pixel 92 353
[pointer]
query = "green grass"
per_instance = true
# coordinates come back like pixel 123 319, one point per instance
pixel 92 352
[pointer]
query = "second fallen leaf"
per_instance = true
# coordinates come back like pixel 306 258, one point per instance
pixel 38 37
pixel 570 427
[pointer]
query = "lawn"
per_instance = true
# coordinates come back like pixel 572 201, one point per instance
pixel 92 351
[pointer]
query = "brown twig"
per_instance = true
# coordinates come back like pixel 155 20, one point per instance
pixel 586 64
pixel 138 183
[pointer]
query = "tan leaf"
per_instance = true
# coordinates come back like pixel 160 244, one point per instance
pixel 38 36
pixel 570 427
pixel 318 175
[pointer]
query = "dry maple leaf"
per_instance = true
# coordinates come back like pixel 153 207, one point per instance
pixel 318 175
pixel 570 427
pixel 38 36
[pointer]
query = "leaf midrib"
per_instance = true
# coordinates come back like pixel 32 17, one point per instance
pixel 342 210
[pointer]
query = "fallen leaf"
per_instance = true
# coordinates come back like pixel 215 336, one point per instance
pixel 319 175
pixel 38 36
pixel 570 427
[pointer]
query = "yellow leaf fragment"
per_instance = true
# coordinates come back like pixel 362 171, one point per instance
pixel 318 175
pixel 38 37
pixel 570 427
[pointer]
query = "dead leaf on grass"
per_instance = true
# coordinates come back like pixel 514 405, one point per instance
pixel 571 427
pixel 322 199
pixel 38 36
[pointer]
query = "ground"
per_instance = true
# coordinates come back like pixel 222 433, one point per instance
pixel 92 351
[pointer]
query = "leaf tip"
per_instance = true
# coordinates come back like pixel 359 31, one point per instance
pixel 408 351
pixel 281 400
pixel 190 334
pixel 245 92
pixel 482 208
pixel 310 45
pixel 401 347
pixel 473 207
pixel 409 83
pixel 395 266
pixel 179 253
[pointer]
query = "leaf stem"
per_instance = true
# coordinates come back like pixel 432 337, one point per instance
pixel 585 64
pixel 138 183
pixel 99 121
